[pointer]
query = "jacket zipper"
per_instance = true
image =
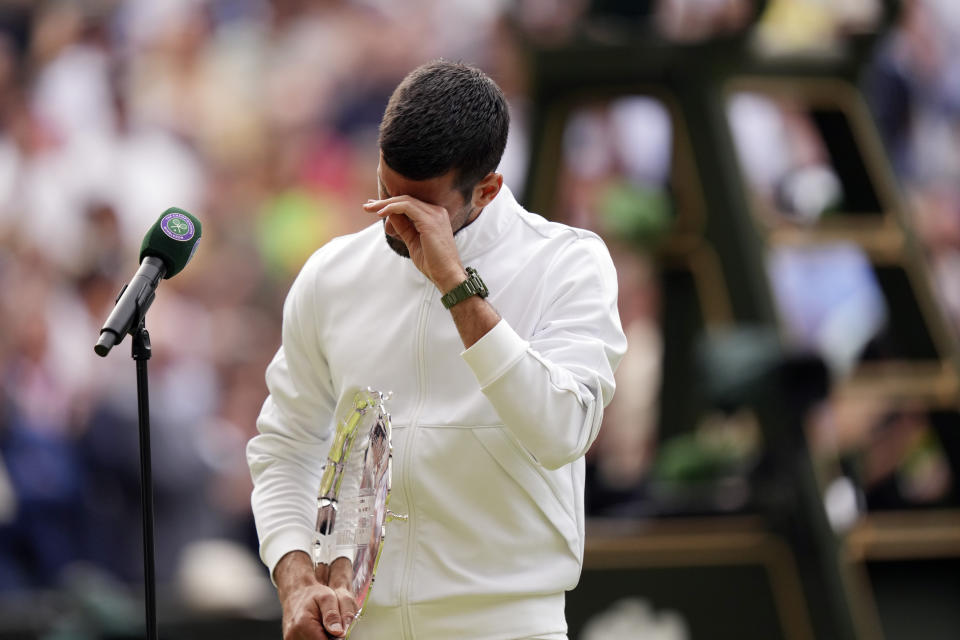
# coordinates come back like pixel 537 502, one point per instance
pixel 407 454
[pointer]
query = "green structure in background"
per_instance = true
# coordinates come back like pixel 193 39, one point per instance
pixel 777 569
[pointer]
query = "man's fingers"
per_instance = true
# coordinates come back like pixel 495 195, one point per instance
pixel 329 609
pixel 341 581
pixel 404 227
pixel 417 211
pixel 401 223
pixel 341 574
pixel 414 213
pixel 371 205
pixel 348 606
pixel 305 627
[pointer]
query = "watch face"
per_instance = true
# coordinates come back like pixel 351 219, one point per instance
pixel 477 284
pixel 481 288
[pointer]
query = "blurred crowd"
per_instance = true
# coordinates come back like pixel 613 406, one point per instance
pixel 260 116
pixel 915 92
pixel 620 177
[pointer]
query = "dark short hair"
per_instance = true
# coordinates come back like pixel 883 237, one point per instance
pixel 443 116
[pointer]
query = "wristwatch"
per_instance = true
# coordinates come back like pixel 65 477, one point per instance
pixel 472 286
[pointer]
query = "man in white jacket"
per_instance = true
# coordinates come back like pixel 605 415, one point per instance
pixel 497 332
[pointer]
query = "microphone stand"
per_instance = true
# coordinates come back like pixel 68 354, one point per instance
pixel 140 351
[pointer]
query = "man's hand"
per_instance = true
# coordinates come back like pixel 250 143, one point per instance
pixel 425 229
pixel 316 606
pixel 427 232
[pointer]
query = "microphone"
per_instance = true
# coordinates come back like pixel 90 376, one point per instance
pixel 165 251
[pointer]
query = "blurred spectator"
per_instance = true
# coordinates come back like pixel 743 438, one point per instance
pixel 914 90
pixel 813 26
pixel 259 115
pixel 615 180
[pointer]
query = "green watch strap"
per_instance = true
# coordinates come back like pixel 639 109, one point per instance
pixel 472 286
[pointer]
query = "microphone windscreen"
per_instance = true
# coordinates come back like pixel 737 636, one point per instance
pixel 173 238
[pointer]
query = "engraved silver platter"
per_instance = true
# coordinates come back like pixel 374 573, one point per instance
pixel 355 489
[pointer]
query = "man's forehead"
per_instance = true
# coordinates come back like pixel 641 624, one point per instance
pixel 433 190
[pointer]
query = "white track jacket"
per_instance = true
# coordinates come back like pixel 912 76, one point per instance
pixel 488 442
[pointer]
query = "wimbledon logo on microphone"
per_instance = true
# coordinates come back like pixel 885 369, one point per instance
pixel 177 226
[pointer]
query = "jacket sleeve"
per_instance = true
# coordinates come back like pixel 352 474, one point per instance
pixel 550 391
pixel 286 457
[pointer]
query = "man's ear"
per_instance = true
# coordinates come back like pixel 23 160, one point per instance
pixel 487 189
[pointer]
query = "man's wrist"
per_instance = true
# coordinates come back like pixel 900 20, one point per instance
pixel 451 280
pixel 293 571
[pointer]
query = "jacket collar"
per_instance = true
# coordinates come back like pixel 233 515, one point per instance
pixel 483 233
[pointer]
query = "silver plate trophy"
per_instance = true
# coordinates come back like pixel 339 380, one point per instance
pixel 355 489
